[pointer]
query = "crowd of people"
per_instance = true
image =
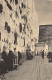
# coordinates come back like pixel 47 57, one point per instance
pixel 42 53
pixel 49 55
pixel 8 60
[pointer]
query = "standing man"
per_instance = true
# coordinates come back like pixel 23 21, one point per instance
pixel 4 57
pixel 43 54
pixel 10 60
pixel 1 64
pixel 19 58
pixel 16 56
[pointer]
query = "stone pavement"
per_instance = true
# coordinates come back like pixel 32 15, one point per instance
pixel 35 69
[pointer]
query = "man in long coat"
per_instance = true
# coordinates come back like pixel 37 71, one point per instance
pixel 43 54
pixel 19 57
pixel 10 60
pixel 4 57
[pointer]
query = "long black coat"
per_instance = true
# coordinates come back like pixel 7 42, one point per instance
pixel 10 60
pixel 4 57
pixel 42 54
pixel 19 57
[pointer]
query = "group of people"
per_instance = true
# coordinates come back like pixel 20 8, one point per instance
pixel 41 53
pixel 8 60
pixel 6 64
pixel 29 55
pixel 49 55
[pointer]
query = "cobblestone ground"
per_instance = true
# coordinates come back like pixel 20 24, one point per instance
pixel 36 69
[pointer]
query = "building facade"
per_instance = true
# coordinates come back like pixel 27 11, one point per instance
pixel 17 24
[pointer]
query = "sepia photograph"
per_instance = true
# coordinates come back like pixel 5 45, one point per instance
pixel 25 39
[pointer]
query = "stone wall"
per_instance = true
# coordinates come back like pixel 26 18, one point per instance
pixel 18 21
